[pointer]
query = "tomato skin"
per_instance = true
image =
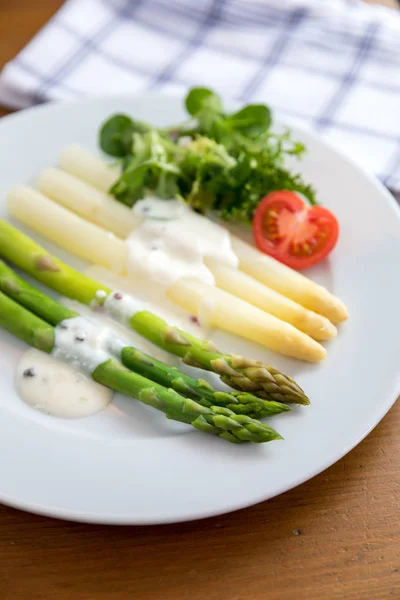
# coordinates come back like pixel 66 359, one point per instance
pixel 292 231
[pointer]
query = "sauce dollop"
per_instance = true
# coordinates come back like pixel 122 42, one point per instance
pixel 57 389
pixel 173 241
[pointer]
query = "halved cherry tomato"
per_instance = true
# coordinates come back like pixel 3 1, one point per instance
pixel 293 232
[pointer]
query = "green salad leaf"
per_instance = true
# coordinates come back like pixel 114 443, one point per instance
pixel 116 135
pixel 216 161
pixel 252 120
pixel 202 99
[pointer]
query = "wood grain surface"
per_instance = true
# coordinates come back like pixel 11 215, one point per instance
pixel 335 537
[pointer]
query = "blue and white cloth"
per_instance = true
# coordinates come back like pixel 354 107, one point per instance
pixel 333 65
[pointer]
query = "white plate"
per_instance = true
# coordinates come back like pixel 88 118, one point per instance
pixel 129 464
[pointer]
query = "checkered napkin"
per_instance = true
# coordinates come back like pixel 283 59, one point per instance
pixel 333 65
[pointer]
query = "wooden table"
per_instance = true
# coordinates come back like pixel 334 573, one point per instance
pixel 335 537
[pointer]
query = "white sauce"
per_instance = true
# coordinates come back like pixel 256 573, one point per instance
pixel 60 384
pixel 83 344
pixel 122 307
pixel 100 294
pixel 57 389
pixel 130 337
pixel 173 241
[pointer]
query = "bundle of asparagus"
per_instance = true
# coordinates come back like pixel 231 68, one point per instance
pixel 246 375
pixel 266 316
pixel 136 360
pixel 39 333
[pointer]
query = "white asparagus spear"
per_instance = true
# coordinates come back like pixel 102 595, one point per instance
pixel 288 282
pixel 66 229
pixel 89 167
pixel 94 244
pixel 232 314
pixel 243 286
pixel 272 273
pixel 107 212
pixel 87 202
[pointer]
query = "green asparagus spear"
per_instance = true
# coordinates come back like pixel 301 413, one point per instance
pixel 240 373
pixel 198 389
pixel 25 325
pixel 216 420
pixel 246 375
pixel 53 312
pixel 33 299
